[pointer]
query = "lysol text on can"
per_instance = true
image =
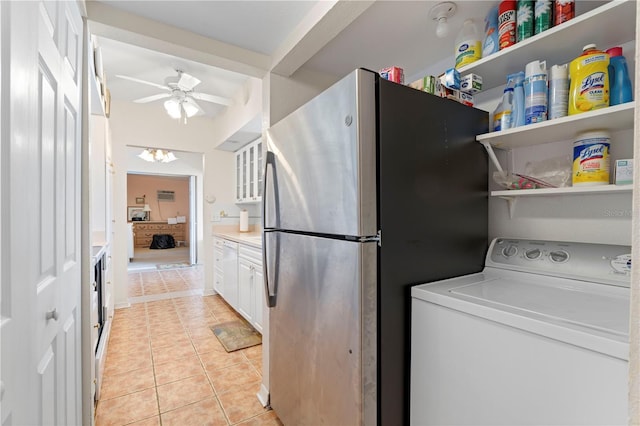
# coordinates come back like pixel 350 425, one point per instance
pixel 591 161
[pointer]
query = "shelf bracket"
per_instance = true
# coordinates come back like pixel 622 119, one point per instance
pixel 511 201
pixel 511 204
pixel 492 156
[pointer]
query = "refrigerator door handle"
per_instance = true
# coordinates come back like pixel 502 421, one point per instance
pixel 269 296
pixel 270 161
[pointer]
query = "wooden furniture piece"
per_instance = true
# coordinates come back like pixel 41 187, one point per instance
pixel 143 232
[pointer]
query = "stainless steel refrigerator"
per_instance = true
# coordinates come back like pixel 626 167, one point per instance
pixel 370 187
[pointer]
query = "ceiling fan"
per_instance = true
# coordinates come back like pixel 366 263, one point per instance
pixel 179 93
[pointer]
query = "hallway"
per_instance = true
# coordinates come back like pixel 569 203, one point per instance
pixel 165 366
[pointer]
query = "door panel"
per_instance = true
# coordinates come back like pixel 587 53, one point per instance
pixel 47 385
pixel 315 328
pixel 40 328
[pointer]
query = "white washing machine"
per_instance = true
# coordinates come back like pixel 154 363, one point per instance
pixel 540 336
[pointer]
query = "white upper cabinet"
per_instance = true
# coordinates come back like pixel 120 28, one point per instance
pixel 248 173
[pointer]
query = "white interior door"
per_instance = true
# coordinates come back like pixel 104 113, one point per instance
pixel 41 275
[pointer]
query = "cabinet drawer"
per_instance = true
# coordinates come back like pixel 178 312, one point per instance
pixel 250 253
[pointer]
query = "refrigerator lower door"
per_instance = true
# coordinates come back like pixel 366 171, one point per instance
pixel 322 330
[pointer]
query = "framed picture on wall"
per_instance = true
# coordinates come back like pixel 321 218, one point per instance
pixel 135 213
pixel 139 200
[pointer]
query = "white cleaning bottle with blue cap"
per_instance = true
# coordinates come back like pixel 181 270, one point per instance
pixel 503 114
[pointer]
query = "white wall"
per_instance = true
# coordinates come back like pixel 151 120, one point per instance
pixel 283 95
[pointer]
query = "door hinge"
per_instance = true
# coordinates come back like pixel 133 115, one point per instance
pixel 377 237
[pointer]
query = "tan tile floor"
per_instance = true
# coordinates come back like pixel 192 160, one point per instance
pixel 165 367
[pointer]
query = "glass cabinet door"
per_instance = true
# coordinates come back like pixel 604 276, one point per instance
pixel 238 177
pixel 244 174
pixel 252 172
pixel 259 169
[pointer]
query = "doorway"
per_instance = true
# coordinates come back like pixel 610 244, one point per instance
pixel 161 217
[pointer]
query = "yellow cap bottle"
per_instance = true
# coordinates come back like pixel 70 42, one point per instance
pixel 589 81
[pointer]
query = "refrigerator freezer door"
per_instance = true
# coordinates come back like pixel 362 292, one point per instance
pixel 322 330
pixel 324 163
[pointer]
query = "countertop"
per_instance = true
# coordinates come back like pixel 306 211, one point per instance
pixel 97 251
pixel 164 222
pixel 252 238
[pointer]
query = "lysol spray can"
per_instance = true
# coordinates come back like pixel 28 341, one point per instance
pixel 524 20
pixel 535 92
pixel 558 91
pixel 507 23
pixel 543 13
pixel 563 11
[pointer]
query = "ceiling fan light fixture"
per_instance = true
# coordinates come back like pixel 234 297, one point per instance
pixel 189 109
pixel 157 155
pixel 146 155
pixel 173 108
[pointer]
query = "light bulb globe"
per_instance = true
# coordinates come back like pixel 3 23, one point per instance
pixel 442 29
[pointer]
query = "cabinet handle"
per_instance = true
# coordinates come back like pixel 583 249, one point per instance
pixel 96 325
pixel 53 314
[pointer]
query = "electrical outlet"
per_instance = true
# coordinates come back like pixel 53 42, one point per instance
pixel 215 217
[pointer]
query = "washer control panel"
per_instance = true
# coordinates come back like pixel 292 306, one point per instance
pixel 605 263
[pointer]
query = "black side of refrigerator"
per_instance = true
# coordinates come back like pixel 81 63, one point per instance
pixel 432 213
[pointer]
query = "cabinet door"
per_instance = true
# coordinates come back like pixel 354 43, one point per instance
pixel 217 269
pixel 243 186
pixel 245 284
pixel 259 170
pixel 238 191
pixel 251 184
pixel 259 300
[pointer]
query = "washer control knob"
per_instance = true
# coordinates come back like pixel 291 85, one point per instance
pixel 559 256
pixel 532 254
pixel 510 251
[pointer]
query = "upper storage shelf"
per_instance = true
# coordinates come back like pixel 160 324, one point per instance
pixel 618 117
pixel 609 25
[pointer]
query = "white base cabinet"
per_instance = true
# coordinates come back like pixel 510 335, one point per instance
pixel 237 277
pixel 250 286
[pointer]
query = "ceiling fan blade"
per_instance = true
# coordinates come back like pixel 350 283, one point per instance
pixel 137 80
pixel 187 82
pixel 212 98
pixel 152 98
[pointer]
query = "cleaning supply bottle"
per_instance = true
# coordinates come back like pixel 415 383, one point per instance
pixel 589 75
pixel 535 92
pixel 558 91
pixel 507 23
pixel 543 15
pixel 468 44
pixel 502 116
pixel 563 11
pixel 491 43
pixel 524 20
pixel 619 81
pixel 517 115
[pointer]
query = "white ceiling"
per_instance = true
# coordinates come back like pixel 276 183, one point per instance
pixel 390 32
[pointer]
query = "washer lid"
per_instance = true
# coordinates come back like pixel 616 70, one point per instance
pixel 589 315
pixel 577 303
